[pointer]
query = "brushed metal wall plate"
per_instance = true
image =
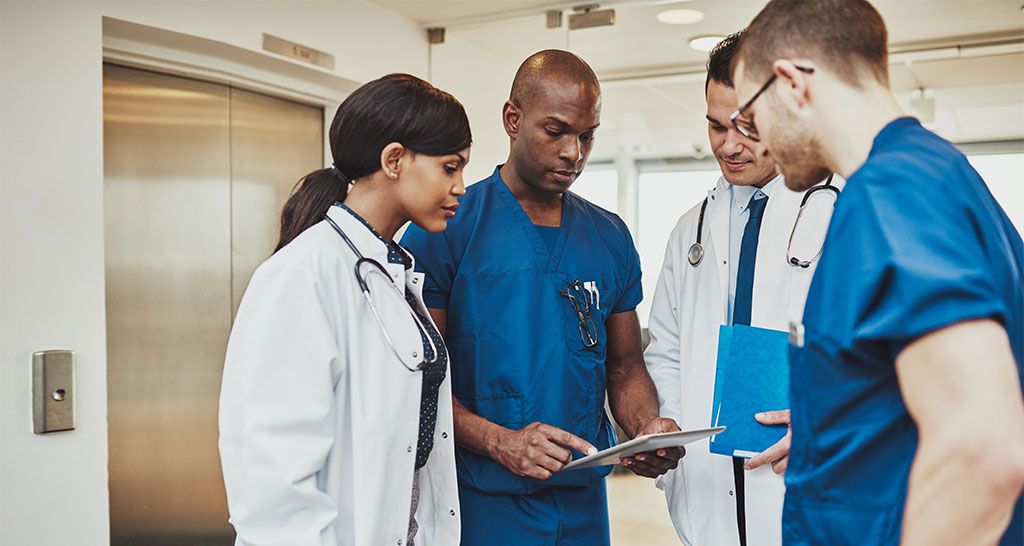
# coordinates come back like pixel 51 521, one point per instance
pixel 298 52
pixel 53 393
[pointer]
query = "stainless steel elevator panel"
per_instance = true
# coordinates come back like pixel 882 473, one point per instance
pixel 274 143
pixel 169 207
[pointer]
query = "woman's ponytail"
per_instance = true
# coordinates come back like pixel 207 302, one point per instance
pixel 313 195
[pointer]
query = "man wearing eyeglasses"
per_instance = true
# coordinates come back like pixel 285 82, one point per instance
pixel 535 290
pixel 734 259
pixel 908 415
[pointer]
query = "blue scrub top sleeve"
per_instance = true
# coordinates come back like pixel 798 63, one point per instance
pixel 923 265
pixel 434 259
pixel 632 292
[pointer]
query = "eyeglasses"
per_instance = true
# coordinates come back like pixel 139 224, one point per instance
pixel 745 125
pixel 580 302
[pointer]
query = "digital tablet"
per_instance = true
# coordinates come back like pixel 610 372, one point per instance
pixel 640 444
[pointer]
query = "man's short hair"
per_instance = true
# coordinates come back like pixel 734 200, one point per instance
pixel 539 69
pixel 847 36
pixel 720 61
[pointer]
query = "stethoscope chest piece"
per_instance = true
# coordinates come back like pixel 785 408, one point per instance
pixel 696 254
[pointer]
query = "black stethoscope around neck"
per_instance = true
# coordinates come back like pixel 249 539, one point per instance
pixel 364 287
pixel 695 255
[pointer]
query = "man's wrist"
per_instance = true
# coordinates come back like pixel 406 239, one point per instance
pixel 492 439
pixel 641 422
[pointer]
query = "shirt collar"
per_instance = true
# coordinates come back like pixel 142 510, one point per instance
pixel 396 254
pixel 741 194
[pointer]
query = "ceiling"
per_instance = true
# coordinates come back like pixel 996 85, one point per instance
pixel 427 11
pixel 654 84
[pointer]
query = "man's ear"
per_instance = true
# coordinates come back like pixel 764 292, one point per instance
pixel 391 159
pixel 511 117
pixel 793 87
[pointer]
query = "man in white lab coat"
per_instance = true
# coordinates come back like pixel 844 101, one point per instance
pixel 740 274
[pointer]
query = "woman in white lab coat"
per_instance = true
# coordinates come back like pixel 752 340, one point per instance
pixel 335 420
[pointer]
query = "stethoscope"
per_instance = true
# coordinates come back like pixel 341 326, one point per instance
pixel 696 253
pixel 365 288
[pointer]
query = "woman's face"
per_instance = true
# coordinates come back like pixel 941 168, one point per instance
pixel 430 186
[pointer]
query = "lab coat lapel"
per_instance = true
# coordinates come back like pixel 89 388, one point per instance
pixel 716 218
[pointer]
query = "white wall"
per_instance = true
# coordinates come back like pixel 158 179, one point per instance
pixel 481 79
pixel 54 487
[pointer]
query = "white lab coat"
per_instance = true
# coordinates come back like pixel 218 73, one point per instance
pixel 319 418
pixel 690 303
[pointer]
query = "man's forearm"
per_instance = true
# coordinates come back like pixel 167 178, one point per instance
pixel 473 432
pixel 961 386
pixel 960 492
pixel 633 398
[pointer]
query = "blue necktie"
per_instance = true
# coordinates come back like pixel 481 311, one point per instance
pixel 748 257
pixel 741 315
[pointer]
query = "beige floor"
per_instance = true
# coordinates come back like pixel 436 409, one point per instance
pixel 638 513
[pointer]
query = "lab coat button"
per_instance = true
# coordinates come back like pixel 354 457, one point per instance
pixel 452 512
pixel 415 281
pixel 415 354
pixel 730 493
pixel 409 450
pixel 444 434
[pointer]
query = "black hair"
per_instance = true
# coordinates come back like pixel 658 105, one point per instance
pixel 396 108
pixel 720 59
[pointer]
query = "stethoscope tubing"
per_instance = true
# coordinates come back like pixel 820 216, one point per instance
pixel 695 255
pixel 364 287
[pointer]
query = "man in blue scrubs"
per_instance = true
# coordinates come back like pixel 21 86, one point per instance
pixel 535 290
pixel 907 414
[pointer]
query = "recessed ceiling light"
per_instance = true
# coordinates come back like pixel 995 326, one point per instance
pixel 680 16
pixel 705 43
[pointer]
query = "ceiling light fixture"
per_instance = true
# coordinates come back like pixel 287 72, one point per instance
pixel 680 16
pixel 705 43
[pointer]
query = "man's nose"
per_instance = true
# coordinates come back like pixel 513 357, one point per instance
pixel 572 152
pixel 734 142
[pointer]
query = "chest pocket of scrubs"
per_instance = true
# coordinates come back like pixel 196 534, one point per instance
pixel 584 314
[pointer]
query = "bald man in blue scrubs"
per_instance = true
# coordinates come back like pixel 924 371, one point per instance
pixel 536 289
pixel 906 385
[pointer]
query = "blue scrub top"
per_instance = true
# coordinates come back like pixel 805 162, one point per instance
pixel 916 243
pixel 514 341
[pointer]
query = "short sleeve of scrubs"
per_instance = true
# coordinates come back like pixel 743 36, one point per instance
pixel 435 260
pixel 915 276
pixel 632 290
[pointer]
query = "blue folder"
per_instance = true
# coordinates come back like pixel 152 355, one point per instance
pixel 752 376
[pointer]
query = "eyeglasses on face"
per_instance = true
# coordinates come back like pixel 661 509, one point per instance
pixel 744 124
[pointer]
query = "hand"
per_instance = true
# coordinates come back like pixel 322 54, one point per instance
pixel 537 451
pixel 778 454
pixel 652 464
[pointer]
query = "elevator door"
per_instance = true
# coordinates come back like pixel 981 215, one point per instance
pixel 195 177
